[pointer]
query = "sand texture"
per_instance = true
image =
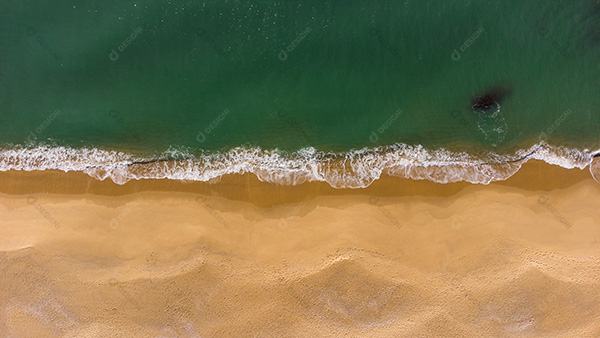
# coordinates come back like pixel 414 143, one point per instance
pixel 241 258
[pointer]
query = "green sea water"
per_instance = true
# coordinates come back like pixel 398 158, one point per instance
pixel 332 75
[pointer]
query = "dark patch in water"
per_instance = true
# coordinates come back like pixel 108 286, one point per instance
pixel 489 99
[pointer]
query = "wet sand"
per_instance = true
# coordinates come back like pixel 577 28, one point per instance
pixel 242 258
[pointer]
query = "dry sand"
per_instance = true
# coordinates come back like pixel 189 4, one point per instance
pixel 241 258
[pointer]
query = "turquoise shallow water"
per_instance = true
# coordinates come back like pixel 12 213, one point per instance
pixel 188 80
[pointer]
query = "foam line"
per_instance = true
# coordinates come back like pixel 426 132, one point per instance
pixel 353 169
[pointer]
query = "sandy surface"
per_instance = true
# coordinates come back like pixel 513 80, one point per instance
pixel 240 258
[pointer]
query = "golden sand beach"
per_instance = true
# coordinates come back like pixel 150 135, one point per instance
pixel 242 258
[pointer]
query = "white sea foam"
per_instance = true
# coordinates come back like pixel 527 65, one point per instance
pixel 354 169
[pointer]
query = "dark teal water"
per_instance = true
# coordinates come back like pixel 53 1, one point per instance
pixel 332 75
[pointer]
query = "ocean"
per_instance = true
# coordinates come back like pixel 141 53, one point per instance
pixel 296 91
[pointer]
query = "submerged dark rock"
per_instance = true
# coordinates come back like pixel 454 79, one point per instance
pixel 490 99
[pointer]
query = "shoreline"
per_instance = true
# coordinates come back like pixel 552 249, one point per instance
pixel 354 169
pixel 534 175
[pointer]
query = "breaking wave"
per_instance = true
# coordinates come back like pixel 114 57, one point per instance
pixel 353 169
